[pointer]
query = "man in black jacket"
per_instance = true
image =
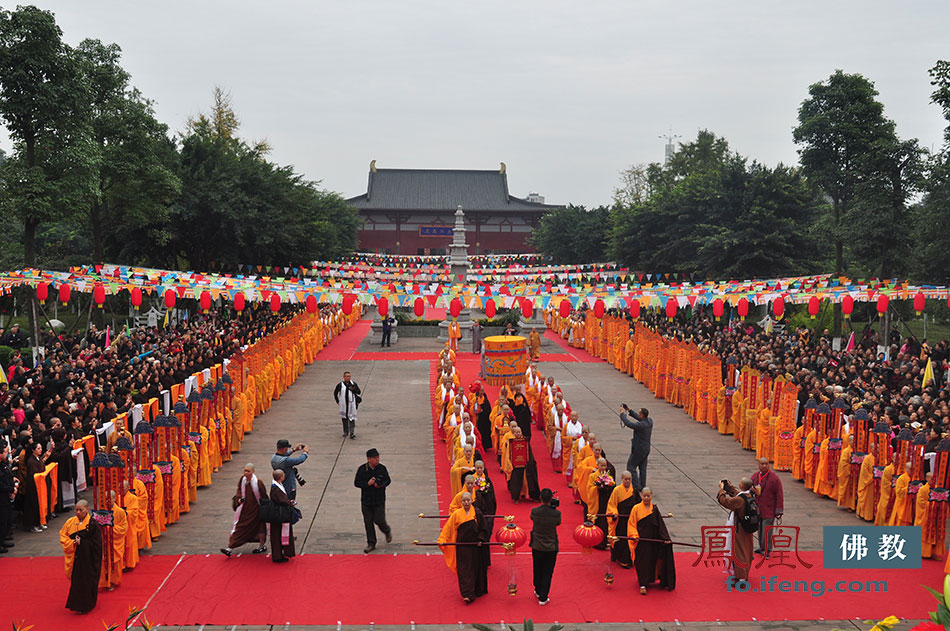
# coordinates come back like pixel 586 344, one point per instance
pixel 639 444
pixel 372 480
pixel 545 519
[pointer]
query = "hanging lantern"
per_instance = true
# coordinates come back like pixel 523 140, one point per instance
pixel 42 292
pixel 635 309
pixel 813 306
pixel 348 300
pixel 599 308
pixel 565 308
pixel 919 302
pixel 205 301
pixel 671 308
pixel 847 306
pixel 136 298
pixel 587 535
pixel 455 307
pixel 170 298
pixel 882 302
pixel 419 307
pixel 743 307
pixel 239 301
pixel 274 302
pixel 512 537
pixel 64 293
pixel 490 309
pixel 382 305
pixel 778 307
pixel 98 294
pixel 311 303
pixel 718 308
pixel 527 308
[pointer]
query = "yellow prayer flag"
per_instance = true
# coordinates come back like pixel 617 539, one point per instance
pixel 928 373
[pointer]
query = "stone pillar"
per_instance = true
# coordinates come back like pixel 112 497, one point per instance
pixel 458 268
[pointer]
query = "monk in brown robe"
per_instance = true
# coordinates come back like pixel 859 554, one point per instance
pixel 652 559
pixel 246 502
pixel 622 500
pixel 468 561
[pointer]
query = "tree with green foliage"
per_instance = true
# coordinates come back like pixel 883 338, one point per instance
pixel 931 244
pixel 127 211
pixel 44 105
pixel 572 234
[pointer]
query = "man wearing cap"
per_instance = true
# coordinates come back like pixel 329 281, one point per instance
pixel 285 461
pixel 372 480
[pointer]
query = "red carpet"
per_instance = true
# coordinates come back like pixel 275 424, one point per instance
pixel 392 356
pixel 343 346
pixel 322 590
pixel 579 354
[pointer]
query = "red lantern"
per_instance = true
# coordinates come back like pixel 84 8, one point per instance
pixel 419 307
pixel 490 309
pixel 565 308
pixel 311 303
pixel 455 307
pixel 882 302
pixel 635 309
pixel 919 302
pixel 513 538
pixel 64 293
pixel 42 292
pixel 170 298
pixel 847 306
pixel 347 306
pixel 205 300
pixel 98 294
pixel 382 306
pixel 274 302
pixel 239 301
pixel 778 307
pixel 587 535
pixel 136 298
pixel 718 308
pixel 671 307
pixel 743 307
pixel 813 305
pixel 599 308
pixel 527 308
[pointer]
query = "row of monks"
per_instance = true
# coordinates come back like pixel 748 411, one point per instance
pixel 842 456
pixel 472 424
pixel 145 479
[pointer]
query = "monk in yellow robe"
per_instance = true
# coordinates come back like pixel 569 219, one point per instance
pixel 176 481
pixel 798 448
pixel 133 517
pixel 902 513
pixel 237 422
pixel 763 434
pixel 469 562
pixel 455 334
pixel 882 513
pixel 534 345
pixel 156 525
pixel 460 468
pixel 622 500
pixel 628 352
pixel 808 458
pixel 920 517
pixel 468 487
pixel 140 492
pixel 846 496
pixel 865 502
pixel 112 565
pixel 204 457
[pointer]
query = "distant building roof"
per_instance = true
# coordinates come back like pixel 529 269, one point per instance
pixel 441 189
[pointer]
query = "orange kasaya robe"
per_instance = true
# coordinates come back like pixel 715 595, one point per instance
pixel 133 517
pixel 846 497
pixel 808 459
pixel 450 532
pixel 882 514
pixel 797 450
pixel 460 466
pixel 865 506
pixel 902 513
pixel 157 524
pixel 204 458
pixel 920 519
pixel 142 522
pixel 66 534
pixel 640 510
pixel 112 565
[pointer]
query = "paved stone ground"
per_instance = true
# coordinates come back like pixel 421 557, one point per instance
pixel 686 463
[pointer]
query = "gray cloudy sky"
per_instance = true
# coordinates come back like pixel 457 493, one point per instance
pixel 566 93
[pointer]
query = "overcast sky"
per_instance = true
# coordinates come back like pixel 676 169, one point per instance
pixel 565 93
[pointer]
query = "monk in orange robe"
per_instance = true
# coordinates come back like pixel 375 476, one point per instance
pixel 865 503
pixel 902 513
pixel 882 512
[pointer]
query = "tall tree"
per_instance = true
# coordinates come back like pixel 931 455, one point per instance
pixel 932 220
pixel 43 103
pixel 135 180
pixel 573 234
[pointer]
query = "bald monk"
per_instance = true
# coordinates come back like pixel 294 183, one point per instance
pixel 809 463
pixel 882 512
pixel 587 467
pixel 463 466
pixel 534 346
pixel 846 492
pixel 133 516
pixel 622 500
pixel 469 488
pixel 81 539
pixel 112 565
pixel 798 447
pixel 652 559
pixel 468 561
pixel 902 513
pixel 600 486
pixel 865 501
pixel 920 517
pixel 121 431
pixel 733 499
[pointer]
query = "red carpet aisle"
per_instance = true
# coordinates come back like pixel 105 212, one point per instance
pixel 345 344
pixel 321 590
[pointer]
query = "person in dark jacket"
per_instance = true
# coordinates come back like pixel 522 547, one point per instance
pixel 8 486
pixel 545 519
pixel 639 444
pixel 372 480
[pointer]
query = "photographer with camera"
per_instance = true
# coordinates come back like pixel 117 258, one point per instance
pixel 347 395
pixel 285 461
pixel 545 519
pixel 372 479
pixel 639 444
pixel 745 521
